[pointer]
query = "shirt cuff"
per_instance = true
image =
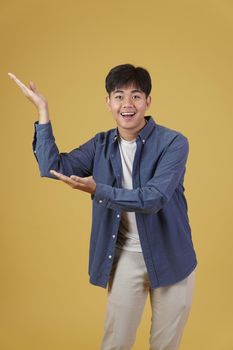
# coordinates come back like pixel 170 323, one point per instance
pixel 102 193
pixel 44 131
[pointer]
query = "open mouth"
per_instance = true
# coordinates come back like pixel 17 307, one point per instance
pixel 128 115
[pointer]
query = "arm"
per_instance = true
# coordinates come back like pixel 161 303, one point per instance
pixel 77 162
pixel 157 191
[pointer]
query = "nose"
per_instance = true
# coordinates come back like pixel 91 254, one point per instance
pixel 127 101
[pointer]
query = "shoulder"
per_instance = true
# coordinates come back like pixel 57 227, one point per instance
pixel 168 135
pixel 166 131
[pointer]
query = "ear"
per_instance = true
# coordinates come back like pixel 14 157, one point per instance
pixel 148 101
pixel 108 102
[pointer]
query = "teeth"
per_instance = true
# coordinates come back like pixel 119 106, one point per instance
pixel 127 114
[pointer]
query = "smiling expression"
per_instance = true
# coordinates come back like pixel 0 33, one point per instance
pixel 128 106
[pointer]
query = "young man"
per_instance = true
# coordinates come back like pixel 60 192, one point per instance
pixel 141 238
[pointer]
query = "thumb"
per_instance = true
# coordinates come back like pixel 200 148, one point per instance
pixel 33 86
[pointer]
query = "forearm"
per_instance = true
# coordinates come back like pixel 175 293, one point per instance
pixel 43 114
pixel 148 199
pixel 77 162
pixel 46 150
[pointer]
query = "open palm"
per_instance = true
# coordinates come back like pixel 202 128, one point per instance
pixel 35 97
pixel 30 92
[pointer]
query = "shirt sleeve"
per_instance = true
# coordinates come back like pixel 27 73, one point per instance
pixel 157 191
pixel 77 162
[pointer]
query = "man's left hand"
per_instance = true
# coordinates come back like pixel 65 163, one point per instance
pixel 86 184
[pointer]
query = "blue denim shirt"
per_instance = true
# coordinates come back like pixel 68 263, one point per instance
pixel 157 197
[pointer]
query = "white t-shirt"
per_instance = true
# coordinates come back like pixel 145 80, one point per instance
pixel 128 238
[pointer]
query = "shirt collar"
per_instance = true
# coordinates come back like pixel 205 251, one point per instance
pixel 143 134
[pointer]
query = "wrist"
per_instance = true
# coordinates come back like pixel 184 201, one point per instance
pixel 43 114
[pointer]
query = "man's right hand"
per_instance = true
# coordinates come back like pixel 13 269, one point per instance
pixel 35 97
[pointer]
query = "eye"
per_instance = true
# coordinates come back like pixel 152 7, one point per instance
pixel 136 96
pixel 118 96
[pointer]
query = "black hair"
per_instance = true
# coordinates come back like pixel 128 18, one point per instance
pixel 126 74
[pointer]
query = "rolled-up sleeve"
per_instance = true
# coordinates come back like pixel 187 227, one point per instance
pixel 157 191
pixel 78 162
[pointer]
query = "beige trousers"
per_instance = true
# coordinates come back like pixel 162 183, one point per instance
pixel 128 289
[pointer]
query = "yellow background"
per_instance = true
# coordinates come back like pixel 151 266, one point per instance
pixel 67 48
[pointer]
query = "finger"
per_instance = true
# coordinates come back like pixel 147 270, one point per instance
pixel 82 180
pixel 13 77
pixel 59 175
pixel 64 178
pixel 19 83
pixel 79 179
pixel 75 178
pixel 33 86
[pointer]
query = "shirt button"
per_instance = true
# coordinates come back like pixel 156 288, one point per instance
pixel 34 151
pixel 118 215
pixel 113 236
pixel 110 256
pixel 143 141
pixel 100 201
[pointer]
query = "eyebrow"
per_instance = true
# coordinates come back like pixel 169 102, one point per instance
pixel 136 90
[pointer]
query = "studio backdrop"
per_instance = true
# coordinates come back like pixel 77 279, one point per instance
pixel 67 48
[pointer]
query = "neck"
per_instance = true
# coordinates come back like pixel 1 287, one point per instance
pixel 130 135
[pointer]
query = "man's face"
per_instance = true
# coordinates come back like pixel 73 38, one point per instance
pixel 128 106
